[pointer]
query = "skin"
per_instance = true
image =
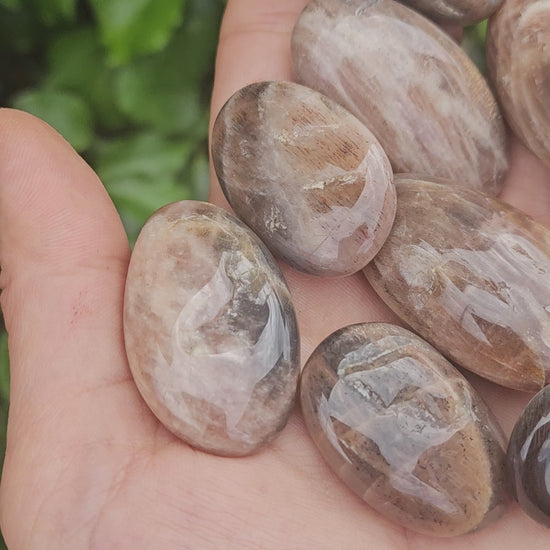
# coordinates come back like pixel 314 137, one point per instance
pixel 87 464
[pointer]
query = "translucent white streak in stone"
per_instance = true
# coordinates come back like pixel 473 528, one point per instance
pixel 404 430
pixel 210 330
pixel 230 369
pixel 473 281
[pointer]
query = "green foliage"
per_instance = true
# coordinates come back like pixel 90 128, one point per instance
pixel 54 11
pixel 67 112
pixel 142 174
pixel 11 4
pixel 473 43
pixel 4 398
pixel 127 83
pixel 135 27
pixel 4 369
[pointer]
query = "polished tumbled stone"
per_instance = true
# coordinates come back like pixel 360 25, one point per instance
pixel 210 329
pixel 456 12
pixel 471 275
pixel 529 458
pixel 405 430
pixel 518 58
pixel 311 181
pixel 409 83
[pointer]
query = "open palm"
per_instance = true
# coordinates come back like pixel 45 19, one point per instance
pixel 87 464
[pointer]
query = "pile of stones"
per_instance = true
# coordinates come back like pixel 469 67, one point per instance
pixel 385 156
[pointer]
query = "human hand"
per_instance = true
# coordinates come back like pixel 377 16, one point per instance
pixel 87 464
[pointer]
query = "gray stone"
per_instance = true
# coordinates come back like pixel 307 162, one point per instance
pixel 305 175
pixel 470 274
pixel 529 458
pixel 409 83
pixel 210 329
pixel 404 430
pixel 456 12
pixel 518 58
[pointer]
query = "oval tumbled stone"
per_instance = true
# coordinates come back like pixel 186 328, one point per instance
pixel 404 430
pixel 210 329
pixel 518 58
pixel 529 458
pixel 471 275
pixel 311 181
pixel 409 83
pixel 456 12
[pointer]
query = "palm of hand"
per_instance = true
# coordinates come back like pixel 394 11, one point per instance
pixel 87 464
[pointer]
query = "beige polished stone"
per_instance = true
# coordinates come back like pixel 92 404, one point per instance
pixel 456 12
pixel 210 329
pixel 518 57
pixel 308 177
pixel 471 275
pixel 404 430
pixel 409 83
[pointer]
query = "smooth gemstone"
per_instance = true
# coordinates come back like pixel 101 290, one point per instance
pixel 518 58
pixel 456 12
pixel 529 458
pixel 210 329
pixel 308 177
pixel 404 430
pixel 471 275
pixel 409 83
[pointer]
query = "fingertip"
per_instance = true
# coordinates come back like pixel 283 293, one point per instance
pixel 53 208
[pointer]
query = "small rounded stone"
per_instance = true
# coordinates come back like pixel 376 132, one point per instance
pixel 529 458
pixel 311 181
pixel 210 329
pixel 470 274
pixel 518 59
pixel 409 83
pixel 456 12
pixel 405 430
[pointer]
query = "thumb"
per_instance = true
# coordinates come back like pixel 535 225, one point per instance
pixel 63 257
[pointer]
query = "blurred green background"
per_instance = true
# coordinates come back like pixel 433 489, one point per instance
pixel 127 82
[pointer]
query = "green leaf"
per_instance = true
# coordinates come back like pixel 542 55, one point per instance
pixel 146 154
pixel 164 90
pixel 65 111
pixel 11 4
pixel 76 61
pixel 19 32
pixel 55 11
pixel 200 36
pixel 133 27
pixel 142 174
pixel 473 43
pixel 4 368
pixel 199 175
pixel 150 93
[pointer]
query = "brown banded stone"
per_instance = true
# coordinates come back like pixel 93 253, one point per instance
pixel 210 329
pixel 529 458
pixel 409 83
pixel 456 12
pixel 404 430
pixel 471 275
pixel 308 177
pixel 518 58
